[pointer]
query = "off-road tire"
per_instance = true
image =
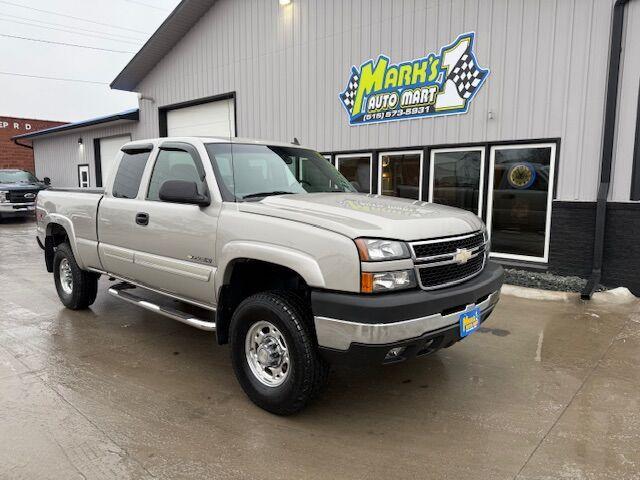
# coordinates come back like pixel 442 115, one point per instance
pixel 309 371
pixel 85 284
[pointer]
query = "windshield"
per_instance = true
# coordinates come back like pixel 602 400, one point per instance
pixel 16 176
pixel 252 172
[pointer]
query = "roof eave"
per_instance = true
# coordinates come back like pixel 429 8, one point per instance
pixel 130 115
pixel 161 42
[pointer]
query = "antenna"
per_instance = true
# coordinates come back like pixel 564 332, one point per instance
pixel 295 141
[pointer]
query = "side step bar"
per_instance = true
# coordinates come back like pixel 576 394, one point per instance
pixel 119 291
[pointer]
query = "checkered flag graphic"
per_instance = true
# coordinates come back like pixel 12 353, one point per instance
pixel 466 75
pixel 349 94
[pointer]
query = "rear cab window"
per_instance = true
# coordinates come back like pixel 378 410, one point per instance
pixel 129 175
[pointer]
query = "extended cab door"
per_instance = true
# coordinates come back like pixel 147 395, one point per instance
pixel 164 245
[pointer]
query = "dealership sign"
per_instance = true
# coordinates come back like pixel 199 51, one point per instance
pixel 428 86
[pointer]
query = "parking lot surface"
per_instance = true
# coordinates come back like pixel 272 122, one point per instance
pixel 549 388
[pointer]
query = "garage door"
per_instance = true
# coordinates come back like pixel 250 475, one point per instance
pixel 109 148
pixel 216 119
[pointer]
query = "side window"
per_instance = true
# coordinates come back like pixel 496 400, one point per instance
pixel 174 165
pixel 127 181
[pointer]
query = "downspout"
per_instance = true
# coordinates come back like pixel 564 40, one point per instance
pixel 15 140
pixel 611 106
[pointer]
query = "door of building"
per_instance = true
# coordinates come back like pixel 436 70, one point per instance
pixel 214 119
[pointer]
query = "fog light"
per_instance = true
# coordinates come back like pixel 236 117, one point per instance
pixel 394 353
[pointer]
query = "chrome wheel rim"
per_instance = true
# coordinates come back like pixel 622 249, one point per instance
pixel 66 277
pixel 267 354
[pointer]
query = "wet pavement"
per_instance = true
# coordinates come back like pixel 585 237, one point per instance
pixel 550 388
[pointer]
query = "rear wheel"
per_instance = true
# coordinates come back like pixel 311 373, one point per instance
pixel 76 288
pixel 274 352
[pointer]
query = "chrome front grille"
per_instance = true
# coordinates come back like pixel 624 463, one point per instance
pixel 18 196
pixel 443 262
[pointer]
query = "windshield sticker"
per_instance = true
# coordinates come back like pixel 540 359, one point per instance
pixel 429 86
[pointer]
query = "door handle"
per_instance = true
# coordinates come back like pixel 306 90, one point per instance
pixel 142 218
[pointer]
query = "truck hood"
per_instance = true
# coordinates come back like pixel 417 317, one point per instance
pixel 21 186
pixel 361 215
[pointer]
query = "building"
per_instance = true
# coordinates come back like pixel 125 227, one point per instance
pixel 16 155
pixel 80 154
pixel 523 111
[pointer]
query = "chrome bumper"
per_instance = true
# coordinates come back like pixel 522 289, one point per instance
pixel 17 207
pixel 340 334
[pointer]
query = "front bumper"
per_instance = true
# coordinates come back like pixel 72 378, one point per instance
pixel 357 324
pixel 17 209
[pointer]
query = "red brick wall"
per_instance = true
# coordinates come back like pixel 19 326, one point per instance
pixel 15 156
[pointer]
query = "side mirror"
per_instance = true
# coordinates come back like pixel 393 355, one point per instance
pixel 182 191
pixel 47 181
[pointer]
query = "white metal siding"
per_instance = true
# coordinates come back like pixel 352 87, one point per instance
pixel 627 106
pixel 58 156
pixel 548 61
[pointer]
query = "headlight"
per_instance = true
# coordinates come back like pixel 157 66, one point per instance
pixel 374 282
pixel 375 250
pixel 3 196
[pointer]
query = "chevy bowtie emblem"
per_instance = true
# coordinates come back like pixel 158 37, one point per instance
pixel 462 255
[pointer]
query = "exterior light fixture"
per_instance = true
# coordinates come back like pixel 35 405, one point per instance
pixel 80 141
pixel 284 2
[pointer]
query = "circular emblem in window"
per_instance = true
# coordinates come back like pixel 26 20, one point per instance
pixel 521 175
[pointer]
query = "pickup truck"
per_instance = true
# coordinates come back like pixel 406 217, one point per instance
pixel 268 245
pixel 18 190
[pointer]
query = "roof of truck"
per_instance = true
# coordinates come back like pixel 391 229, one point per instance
pixel 207 139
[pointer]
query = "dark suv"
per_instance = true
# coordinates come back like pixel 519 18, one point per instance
pixel 18 190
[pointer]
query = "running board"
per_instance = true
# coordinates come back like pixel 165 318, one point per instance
pixel 118 291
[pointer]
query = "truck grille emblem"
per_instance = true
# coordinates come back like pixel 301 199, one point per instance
pixel 462 255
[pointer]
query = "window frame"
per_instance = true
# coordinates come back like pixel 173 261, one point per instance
pixel 482 151
pixel 402 152
pixel 180 147
pixel 340 156
pixel 550 195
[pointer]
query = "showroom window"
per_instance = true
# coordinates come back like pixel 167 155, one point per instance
pixel 456 178
pixel 519 200
pixel 400 174
pixel 357 169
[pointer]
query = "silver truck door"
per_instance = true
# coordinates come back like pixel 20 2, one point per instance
pixel 172 245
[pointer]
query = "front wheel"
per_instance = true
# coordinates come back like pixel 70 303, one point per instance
pixel 76 288
pixel 274 353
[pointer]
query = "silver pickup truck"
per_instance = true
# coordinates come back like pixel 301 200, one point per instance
pixel 268 245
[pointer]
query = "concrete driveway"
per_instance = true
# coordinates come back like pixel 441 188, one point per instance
pixel 550 388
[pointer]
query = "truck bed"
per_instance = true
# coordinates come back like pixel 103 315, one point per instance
pixel 76 209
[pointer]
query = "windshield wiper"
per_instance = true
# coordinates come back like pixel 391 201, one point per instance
pixel 266 194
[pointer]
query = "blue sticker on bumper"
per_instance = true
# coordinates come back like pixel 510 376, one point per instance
pixel 469 321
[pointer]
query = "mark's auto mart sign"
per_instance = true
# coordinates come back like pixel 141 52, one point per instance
pixel 433 85
pixel 15 125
